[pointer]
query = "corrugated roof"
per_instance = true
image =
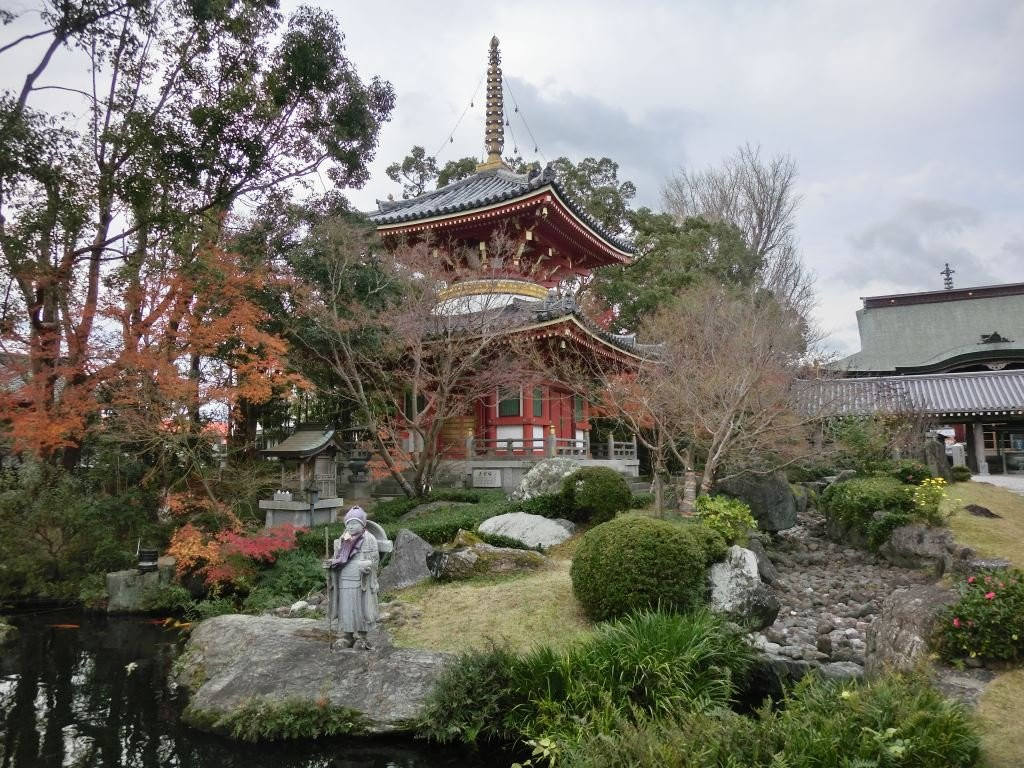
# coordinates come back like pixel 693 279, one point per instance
pixel 482 189
pixel 939 394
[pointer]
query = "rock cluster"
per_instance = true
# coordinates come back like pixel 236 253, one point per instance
pixel 829 594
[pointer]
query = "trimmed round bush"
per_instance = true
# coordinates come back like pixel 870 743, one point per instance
pixel 730 518
pixel 596 494
pixel 854 501
pixel 961 474
pixel 635 563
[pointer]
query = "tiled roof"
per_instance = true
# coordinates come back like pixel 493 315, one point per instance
pixel 481 189
pixel 521 314
pixel 307 441
pixel 940 394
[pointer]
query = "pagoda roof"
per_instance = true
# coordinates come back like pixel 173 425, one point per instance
pixel 484 189
pixel 552 316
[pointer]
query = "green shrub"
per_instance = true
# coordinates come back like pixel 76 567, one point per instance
pixel 552 505
pixel 213 606
pixel 723 739
pixel 265 720
pixel 987 620
pixel 294 574
pixel 881 526
pixel 167 598
pixel 893 721
pixel 472 699
pixel 854 501
pixel 809 472
pixel 641 500
pixel 441 526
pixel 391 510
pixel 636 563
pixel 596 494
pixel 910 472
pixel 961 474
pixel 648 665
pixel 497 540
pixel 729 518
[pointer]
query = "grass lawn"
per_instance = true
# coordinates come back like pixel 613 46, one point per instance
pixel 517 611
pixel 991 537
pixel 1003 702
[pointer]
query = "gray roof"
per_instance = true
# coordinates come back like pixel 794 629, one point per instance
pixel 520 314
pixel 308 440
pixel 481 189
pixel 989 393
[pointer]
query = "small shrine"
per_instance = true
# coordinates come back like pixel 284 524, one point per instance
pixel 307 493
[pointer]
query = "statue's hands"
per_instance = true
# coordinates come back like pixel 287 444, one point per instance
pixel 365 567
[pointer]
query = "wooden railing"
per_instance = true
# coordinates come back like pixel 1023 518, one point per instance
pixel 521 447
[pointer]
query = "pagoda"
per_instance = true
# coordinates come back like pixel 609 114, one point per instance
pixel 549 241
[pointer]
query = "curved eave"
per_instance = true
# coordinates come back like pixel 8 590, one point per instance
pixel 530 199
pixel 580 333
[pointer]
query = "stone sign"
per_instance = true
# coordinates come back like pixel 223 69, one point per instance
pixel 487 478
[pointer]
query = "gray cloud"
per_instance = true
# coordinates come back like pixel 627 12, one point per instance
pixel 911 247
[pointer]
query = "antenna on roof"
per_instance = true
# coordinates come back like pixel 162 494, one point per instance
pixel 947 277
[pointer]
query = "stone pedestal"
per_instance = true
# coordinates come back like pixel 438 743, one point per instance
pixel 280 511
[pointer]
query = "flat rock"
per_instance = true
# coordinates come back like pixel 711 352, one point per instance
pixel 408 563
pixel 531 530
pixel 899 636
pixel 841 670
pixel 229 661
pixel 471 557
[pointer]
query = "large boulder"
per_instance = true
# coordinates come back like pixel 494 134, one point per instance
pixel 920 546
pixel 531 530
pixel 470 557
pixel 408 562
pixel 770 498
pixel 935 460
pixel 545 478
pixel 899 635
pixel 231 661
pixel 126 589
pixel 736 590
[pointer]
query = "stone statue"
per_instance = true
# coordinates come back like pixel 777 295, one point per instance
pixel 352 598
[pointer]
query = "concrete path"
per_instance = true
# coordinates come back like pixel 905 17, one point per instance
pixel 1013 483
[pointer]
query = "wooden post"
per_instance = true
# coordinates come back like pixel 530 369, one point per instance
pixel 552 449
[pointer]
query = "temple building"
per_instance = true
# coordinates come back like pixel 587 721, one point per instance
pixel 954 357
pixel 548 241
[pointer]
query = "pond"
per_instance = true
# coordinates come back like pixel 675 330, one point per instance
pixel 78 691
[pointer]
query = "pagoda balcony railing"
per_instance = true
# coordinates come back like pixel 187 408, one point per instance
pixel 548 447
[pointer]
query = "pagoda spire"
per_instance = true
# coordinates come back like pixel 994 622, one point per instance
pixel 494 127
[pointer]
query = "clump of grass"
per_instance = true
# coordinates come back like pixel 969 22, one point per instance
pixel 266 720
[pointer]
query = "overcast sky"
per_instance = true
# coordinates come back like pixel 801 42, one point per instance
pixel 906 119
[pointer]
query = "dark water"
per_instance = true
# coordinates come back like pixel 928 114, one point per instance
pixel 68 699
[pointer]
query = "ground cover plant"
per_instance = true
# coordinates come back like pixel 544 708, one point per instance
pixel 635 562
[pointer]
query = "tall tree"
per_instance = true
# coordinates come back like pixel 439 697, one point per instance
pixel 415 173
pixel 594 184
pixel 759 197
pixel 191 107
pixel 670 257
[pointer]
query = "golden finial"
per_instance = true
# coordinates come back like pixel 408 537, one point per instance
pixel 494 127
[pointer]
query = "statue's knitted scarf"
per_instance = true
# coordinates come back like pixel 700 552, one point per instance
pixel 348 546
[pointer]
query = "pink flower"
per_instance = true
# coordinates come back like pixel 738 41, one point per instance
pixel 990 595
pixel 970 580
pixel 956 623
